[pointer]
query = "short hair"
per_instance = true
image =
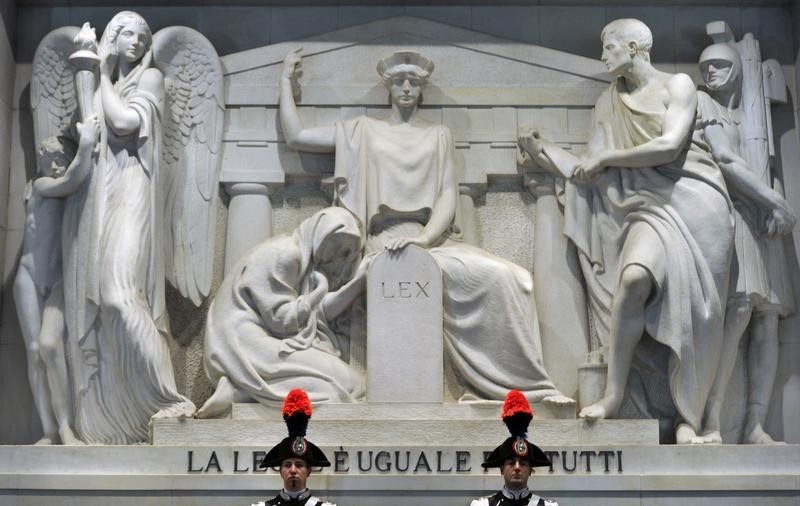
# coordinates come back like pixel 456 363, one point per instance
pixel 58 149
pixel 631 30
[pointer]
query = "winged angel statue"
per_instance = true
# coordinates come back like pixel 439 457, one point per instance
pixel 144 211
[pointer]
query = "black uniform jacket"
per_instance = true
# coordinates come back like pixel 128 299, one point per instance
pixel 499 499
pixel 304 499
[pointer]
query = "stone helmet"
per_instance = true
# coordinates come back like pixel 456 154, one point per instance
pixel 726 53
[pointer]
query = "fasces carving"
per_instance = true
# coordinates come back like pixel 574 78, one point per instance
pixel 145 197
pixel 272 325
pixel 760 292
pixel 398 177
pixel 650 216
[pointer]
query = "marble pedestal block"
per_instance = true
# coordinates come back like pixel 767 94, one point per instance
pixel 405 350
pixel 421 425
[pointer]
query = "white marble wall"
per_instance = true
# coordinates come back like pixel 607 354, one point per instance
pixel 15 398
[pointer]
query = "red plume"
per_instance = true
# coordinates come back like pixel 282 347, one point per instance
pixel 517 413
pixel 296 402
pixel 516 403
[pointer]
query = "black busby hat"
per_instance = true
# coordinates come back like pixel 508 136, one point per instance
pixel 517 415
pixel 296 413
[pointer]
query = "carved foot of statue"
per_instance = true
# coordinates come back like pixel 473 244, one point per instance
pixel 220 402
pixel 685 435
pixel 558 400
pixel 184 409
pixel 604 408
pixel 47 439
pixel 714 437
pixel 68 437
pixel 758 436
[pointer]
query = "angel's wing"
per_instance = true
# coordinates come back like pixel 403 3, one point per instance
pixel 53 98
pixel 190 156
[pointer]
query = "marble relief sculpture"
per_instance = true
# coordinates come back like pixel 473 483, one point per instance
pixel 397 176
pixel 672 214
pixel 650 215
pixel 271 327
pixel 145 211
pixel 759 292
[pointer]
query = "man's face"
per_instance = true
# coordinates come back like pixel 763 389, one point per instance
pixel 616 55
pixel 295 474
pixel 716 73
pixel 516 473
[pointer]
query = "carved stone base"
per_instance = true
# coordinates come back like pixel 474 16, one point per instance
pixel 223 475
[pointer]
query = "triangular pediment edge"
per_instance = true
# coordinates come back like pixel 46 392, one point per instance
pixel 441 33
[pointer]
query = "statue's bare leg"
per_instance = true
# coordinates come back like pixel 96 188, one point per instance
pixel 642 266
pixel 737 316
pixel 51 346
pixel 627 327
pixel 29 312
pixel 222 400
pixel 762 364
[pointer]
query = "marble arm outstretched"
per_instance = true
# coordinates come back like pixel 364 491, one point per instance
pixel 316 140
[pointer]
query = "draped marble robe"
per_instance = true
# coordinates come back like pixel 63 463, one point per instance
pixel 390 177
pixel 262 333
pixel 116 316
pixel 686 203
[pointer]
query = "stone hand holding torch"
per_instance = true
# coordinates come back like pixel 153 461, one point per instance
pixel 86 62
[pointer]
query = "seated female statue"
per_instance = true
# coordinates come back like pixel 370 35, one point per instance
pixel 397 175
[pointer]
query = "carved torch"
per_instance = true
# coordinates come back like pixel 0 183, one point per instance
pixel 86 62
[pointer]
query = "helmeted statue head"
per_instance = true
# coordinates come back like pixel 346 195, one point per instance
pixel 721 67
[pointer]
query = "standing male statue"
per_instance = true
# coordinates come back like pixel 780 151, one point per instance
pixel 649 213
